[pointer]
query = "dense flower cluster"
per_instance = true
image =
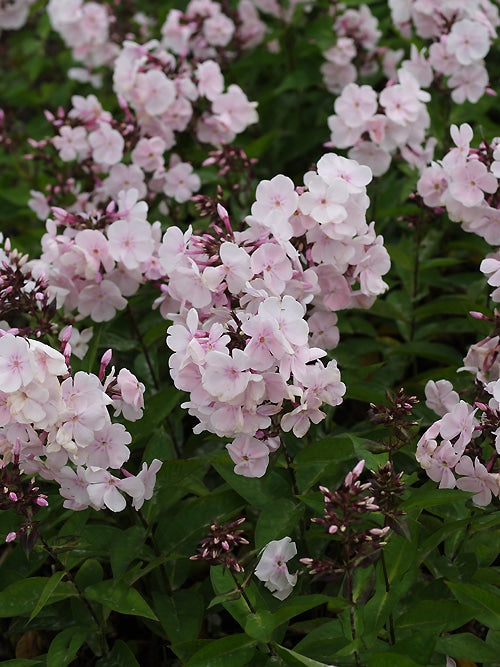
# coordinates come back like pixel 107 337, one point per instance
pixel 91 262
pixel 85 28
pixel 57 425
pixel 162 90
pixel 247 305
pixel 356 51
pixel 460 35
pixel 14 13
pixel 376 125
pixel 452 450
pixel 109 155
pixel 465 182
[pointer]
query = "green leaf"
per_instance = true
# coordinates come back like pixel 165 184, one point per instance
pixel 47 591
pixel 294 659
pixel 124 550
pixel 261 491
pixel 89 573
pixel 119 597
pixel 301 603
pixel 391 660
pixel 21 662
pixel 22 596
pixel 260 625
pixel 65 646
pixel 181 615
pixel 467 646
pixel 277 520
pixel 119 656
pixel 438 615
pixel 232 651
pixel 157 408
pixel 485 603
pixel 429 496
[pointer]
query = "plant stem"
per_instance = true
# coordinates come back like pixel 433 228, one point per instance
pixel 80 593
pixel 392 636
pixel 156 549
pixel 352 613
pixel 242 592
pixel 149 363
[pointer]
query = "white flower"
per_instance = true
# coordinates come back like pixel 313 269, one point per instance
pixel 272 568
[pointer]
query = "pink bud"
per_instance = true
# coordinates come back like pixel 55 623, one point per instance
pixel 13 497
pixel 41 502
pixel 11 537
pixel 65 334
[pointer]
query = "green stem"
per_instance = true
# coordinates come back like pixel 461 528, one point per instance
pixel 352 614
pixel 156 549
pixel 80 593
pixel 149 363
pixel 392 636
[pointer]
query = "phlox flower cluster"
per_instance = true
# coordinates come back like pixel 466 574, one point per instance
pixel 14 13
pixel 85 28
pixel 159 100
pixel 208 30
pixel 92 262
pixel 356 51
pixel 460 34
pixel 105 156
pixel 169 94
pixel 465 183
pixel 27 301
pixel 249 305
pixel 377 125
pixel 451 450
pixel 57 425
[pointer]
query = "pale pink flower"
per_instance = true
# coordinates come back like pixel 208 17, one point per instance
pixel 276 200
pixel 210 79
pixel 272 567
pixel 332 167
pixel 155 91
pixel 470 182
pixel 101 301
pixel 460 421
pixel 356 105
pixel 323 200
pixel 71 143
pixel 444 459
pixel 468 41
pixel 131 399
pixel 476 480
pixel 180 182
pixel 148 153
pixel 225 376
pixel 104 489
pixel 299 420
pixel 109 448
pixel 107 145
pixel 218 30
pixel 130 242
pixel 16 368
pixel 147 476
pixel 270 260
pixel 468 83
pixel 251 456
pixel 235 107
pixel 440 396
